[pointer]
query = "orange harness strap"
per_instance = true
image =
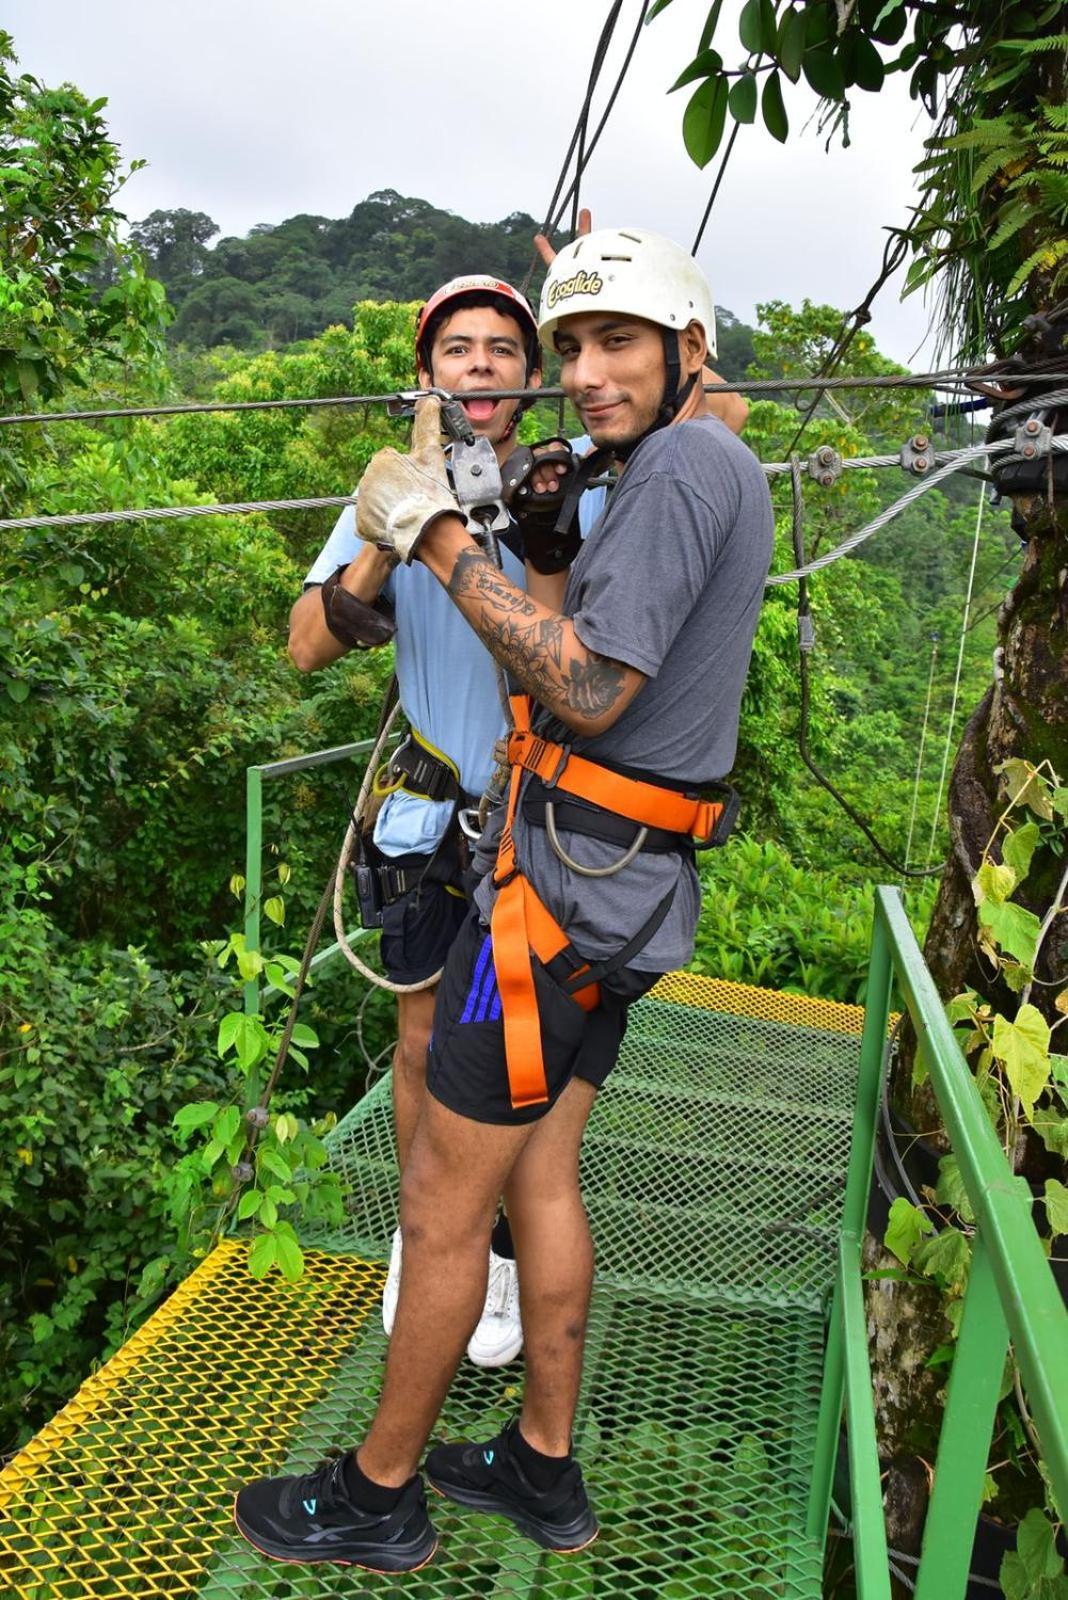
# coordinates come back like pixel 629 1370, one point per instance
pixel 521 923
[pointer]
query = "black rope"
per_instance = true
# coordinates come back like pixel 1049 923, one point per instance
pixel 578 134
pixel 893 256
pixel 715 189
pixel 806 639
pixel 591 147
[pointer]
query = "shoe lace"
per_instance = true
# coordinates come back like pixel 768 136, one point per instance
pixel 324 1484
pixel 500 1287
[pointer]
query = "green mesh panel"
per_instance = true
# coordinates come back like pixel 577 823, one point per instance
pixel 713 1167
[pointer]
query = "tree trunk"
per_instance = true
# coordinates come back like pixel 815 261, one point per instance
pixel 1024 714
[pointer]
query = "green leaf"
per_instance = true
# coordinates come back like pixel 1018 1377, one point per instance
pixel 1019 848
pixel 945 1257
pixel 268 1212
pixel 290 1255
pixel 655 10
pixel 1014 927
pixel 742 99
pixel 1023 784
pixel 1057 1206
pixel 869 73
pixel 703 120
pixel 1023 1047
pixel 245 1035
pixel 262 1255
pixel 771 104
pixel 1036 1547
pixel 227 1124
pixel 41 1327
pixel 994 883
pixel 271 1161
pixel 705 65
pixel 1052 1128
pixel 248 1204
pixel 306 1037
pixel 905 1227
pixel 791 43
pixel 17 690
pixel 249 964
pixel 711 24
pixel 195 1115
pixel 824 74
pixel 275 910
pixel 951 1190
pixel 751 27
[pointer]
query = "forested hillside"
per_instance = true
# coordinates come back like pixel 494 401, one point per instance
pixel 291 280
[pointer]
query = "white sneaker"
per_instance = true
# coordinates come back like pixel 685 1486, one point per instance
pixel 391 1292
pixel 498 1338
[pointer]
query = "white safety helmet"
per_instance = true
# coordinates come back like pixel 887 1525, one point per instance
pixel 631 270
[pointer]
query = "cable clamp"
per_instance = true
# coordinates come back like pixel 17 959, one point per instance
pixel 1033 437
pixel 825 465
pixel 806 631
pixel 917 455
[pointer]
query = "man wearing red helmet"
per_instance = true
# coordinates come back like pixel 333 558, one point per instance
pixel 475 332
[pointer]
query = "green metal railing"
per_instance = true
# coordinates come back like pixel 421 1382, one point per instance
pixel 255 777
pixel 1011 1294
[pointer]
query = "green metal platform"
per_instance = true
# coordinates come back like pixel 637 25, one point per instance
pixel 726 1169
pixel 714 1174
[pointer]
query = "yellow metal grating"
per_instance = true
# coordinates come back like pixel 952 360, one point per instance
pixel 772 1005
pixel 128 1491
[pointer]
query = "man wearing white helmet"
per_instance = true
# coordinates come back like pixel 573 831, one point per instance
pixel 474 332
pixel 634 664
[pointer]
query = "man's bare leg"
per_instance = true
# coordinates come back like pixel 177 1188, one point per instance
pixel 415 1019
pixel 450 1185
pixel 555 1255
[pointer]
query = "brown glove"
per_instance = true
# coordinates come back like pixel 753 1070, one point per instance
pixel 400 496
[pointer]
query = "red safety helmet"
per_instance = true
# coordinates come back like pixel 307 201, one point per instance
pixel 507 300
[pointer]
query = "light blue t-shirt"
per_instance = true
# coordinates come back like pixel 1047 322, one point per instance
pixel 446 676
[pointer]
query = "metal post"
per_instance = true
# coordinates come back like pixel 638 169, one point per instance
pixel 870 1558
pixel 964 1442
pixel 854 1209
pixel 253 874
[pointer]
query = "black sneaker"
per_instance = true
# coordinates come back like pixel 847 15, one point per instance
pixel 312 1518
pixel 489 1478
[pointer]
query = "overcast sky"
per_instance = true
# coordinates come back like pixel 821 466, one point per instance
pixel 253 110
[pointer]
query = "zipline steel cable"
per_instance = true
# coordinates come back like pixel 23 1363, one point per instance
pixel 952 462
pixel 950 378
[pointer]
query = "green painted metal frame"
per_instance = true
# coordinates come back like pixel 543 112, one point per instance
pixel 1011 1294
pixel 255 777
pixel 1011 1291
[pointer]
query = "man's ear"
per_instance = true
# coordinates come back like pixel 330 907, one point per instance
pixel 423 377
pixel 693 347
pixel 534 379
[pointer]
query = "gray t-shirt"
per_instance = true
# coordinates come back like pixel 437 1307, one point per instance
pixel 670 581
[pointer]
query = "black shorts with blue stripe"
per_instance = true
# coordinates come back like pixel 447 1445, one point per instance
pixel 466 1068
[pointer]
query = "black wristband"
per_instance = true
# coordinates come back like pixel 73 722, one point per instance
pixel 352 621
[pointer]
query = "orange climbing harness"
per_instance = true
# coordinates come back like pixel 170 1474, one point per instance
pixel 520 922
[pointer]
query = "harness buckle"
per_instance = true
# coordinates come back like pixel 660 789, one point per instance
pixel 729 807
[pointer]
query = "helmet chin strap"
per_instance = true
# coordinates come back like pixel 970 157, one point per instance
pixel 674 397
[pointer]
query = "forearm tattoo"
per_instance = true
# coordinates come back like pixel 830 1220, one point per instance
pixel 532 645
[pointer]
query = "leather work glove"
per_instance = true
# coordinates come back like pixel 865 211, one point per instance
pixel 400 496
pixel 536 480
